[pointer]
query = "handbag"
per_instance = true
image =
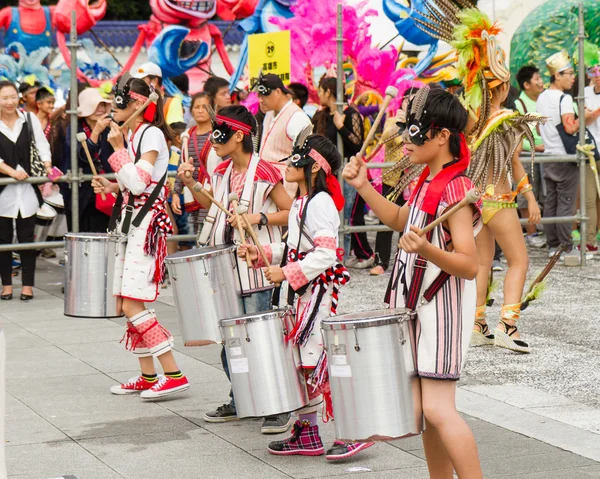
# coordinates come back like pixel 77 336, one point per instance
pixel 36 164
pixel 569 141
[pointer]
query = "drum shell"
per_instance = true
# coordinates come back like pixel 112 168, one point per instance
pixel 44 220
pixel 375 391
pixel 206 288
pixel 265 370
pixel 89 275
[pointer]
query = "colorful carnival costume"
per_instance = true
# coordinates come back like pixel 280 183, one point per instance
pixel 496 136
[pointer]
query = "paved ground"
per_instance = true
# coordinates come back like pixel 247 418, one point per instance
pixel 534 416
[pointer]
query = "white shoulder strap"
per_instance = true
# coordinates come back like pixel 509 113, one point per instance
pixel 214 211
pixel 249 183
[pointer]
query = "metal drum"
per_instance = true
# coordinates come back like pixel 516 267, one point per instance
pixel 89 275
pixel 206 288
pixel 59 226
pixel 43 222
pixel 265 370
pixel 375 391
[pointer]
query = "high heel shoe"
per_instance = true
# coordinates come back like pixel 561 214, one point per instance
pixel 26 297
pixel 6 297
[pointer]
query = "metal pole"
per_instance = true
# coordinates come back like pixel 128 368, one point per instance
pixel 73 112
pixel 340 102
pixel 582 157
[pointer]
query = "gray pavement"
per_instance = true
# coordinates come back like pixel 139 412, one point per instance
pixel 535 416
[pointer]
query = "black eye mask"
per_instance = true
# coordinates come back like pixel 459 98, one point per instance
pixel 221 133
pixel 121 92
pixel 413 131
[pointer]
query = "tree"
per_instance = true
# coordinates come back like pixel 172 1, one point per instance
pixel 117 9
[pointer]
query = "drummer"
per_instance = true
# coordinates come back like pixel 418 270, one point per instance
pixel 443 265
pixel 310 263
pixel 259 186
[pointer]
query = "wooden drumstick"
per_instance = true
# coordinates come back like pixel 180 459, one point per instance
pixel 82 138
pixel 153 98
pixel 242 211
pixel 199 187
pixel 471 197
pixel 391 92
pixel 185 151
pixel 234 199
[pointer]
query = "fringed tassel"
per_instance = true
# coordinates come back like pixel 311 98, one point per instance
pixel 131 337
pixel 155 244
pixel 327 403
pixel 319 375
pixel 306 321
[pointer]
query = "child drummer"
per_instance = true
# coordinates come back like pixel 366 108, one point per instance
pixel 440 266
pixel 314 274
pixel 259 187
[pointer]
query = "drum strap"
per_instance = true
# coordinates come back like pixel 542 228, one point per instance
pixel 116 213
pixel 419 268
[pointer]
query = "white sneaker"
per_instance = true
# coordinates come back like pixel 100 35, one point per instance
pixel 497 265
pixel 552 252
pixel 535 240
pixel 350 261
pixel 365 263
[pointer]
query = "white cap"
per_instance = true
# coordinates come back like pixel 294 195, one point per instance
pixel 147 69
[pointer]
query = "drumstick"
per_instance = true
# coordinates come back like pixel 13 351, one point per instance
pixel 82 138
pixel 199 187
pixel 390 93
pixel 471 197
pixel 233 199
pixel 185 152
pixel 153 98
pixel 242 210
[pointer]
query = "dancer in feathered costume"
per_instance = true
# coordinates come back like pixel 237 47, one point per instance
pixel 496 138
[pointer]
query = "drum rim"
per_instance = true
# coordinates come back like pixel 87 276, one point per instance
pixel 99 237
pixel 187 258
pixel 388 316
pixel 254 317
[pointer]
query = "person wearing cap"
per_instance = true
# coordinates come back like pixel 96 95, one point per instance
pixel 151 74
pixel 27 92
pixel 561 179
pixel 93 120
pixel 284 120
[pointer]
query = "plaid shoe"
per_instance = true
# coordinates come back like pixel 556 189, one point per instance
pixel 305 441
pixel 343 450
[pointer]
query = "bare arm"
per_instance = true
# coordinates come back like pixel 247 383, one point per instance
pixel 283 202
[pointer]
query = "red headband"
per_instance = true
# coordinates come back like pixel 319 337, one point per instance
pixel 319 160
pixel 235 125
pixel 332 182
pixel 138 96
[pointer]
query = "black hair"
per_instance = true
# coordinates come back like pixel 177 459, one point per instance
pixel 214 84
pixel 6 83
pixel 141 88
pixel 241 113
pixel 158 79
pixel 327 150
pixel 178 127
pixel 182 82
pixel 199 95
pixel 525 75
pixel 444 110
pixel 299 92
pixel 23 87
pixel 42 94
pixel 552 78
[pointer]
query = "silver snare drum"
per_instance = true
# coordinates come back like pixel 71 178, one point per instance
pixel 89 275
pixel 206 288
pixel 265 370
pixel 374 388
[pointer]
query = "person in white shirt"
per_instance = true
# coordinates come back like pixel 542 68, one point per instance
pixel 18 203
pixel 592 102
pixel 284 120
pixel 561 179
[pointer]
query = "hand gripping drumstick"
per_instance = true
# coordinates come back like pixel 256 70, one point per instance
pixel 242 211
pixel 153 98
pixel 82 138
pixel 199 187
pixel 390 93
pixel 234 199
pixel 185 151
pixel 471 197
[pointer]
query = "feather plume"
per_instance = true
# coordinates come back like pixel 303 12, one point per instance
pixel 303 136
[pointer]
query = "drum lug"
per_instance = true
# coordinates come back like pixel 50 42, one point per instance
pixel 402 338
pixel 246 329
pixel 323 338
pixel 85 251
pixel 356 346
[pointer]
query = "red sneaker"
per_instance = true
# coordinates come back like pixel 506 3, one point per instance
pixel 165 386
pixel 134 385
pixel 305 441
pixel 344 450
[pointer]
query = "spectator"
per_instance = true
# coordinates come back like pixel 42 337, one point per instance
pixel 93 112
pixel 592 102
pixel 561 179
pixel 531 85
pixel 45 100
pixel 299 94
pixel 349 125
pixel 18 203
pixel 151 74
pixel 218 90
pixel 182 82
pixel 27 91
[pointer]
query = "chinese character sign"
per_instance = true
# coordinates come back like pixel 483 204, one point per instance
pixel 269 53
